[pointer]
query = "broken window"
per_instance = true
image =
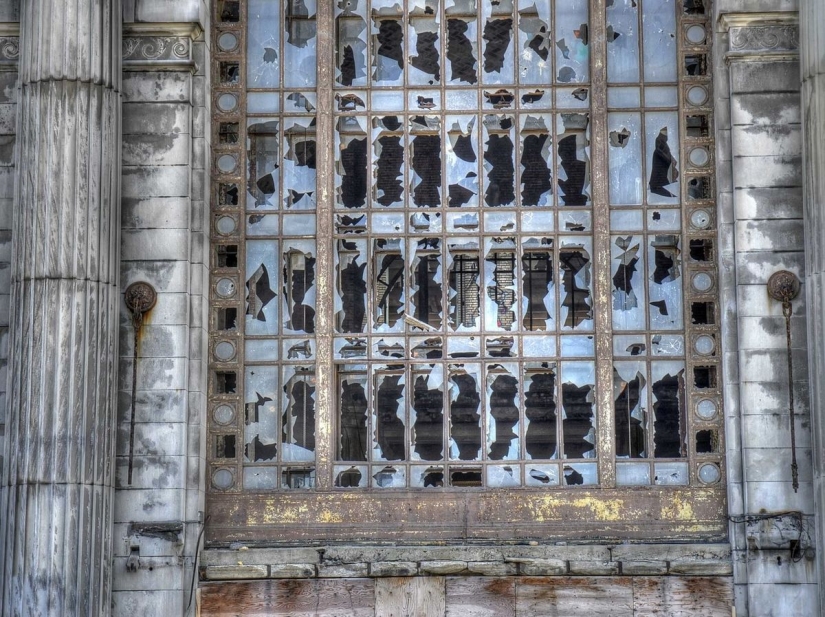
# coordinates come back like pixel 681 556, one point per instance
pixel 578 401
pixel 299 288
pixel 390 437
pixel 388 286
pixel 465 412
pixel 573 159
pixel 503 414
pixel 630 400
pixel 500 283
pixel 464 291
pixel 427 417
pixel 537 283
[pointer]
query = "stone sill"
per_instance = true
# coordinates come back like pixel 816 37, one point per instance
pixel 515 560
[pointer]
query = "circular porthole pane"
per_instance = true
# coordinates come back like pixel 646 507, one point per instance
pixel 223 414
pixel 704 345
pixel 225 288
pixel 706 409
pixel 223 479
pixel 225 225
pixel 702 281
pixel 699 157
pixel 224 350
pixel 696 34
pixel 700 219
pixel 227 163
pixel 228 41
pixel 227 102
pixel 697 95
pixel 709 473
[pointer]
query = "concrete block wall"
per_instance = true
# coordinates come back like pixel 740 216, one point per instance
pixel 759 163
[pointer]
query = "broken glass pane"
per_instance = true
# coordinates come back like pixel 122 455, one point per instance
pixel 388 285
pixel 261 287
pixel 625 158
pixel 263 46
pixel 578 399
pixel 299 163
pixel 298 422
pixel 632 474
pixel 573 159
pixel 503 412
pixel 536 160
pixel 351 46
pixel 464 291
pixel 352 388
pixel 299 286
pixel 390 435
pixel 670 474
pixel 425 290
pixel 263 160
pixel 662 142
pixel 261 406
pixel 427 412
pixel 581 474
pixel 577 282
pixel 670 423
pixel 498 42
pixel 388 46
pixel 502 476
pixel 351 299
pixel 388 160
pixel 537 286
pixel 499 165
pixel 425 146
pixel 351 162
pixel 500 283
pixel 462 160
pixel 424 44
pixel 542 475
pixel 389 477
pixel 571 42
pixel 426 477
pixel 541 440
pixel 659 31
pixel 628 283
pixel 465 412
pixel 300 43
pixel 462 50
pixel 350 477
pixel 665 273
pixel 535 45
pixel 630 397
pixel 623 41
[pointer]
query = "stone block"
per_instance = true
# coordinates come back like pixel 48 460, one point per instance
pixel 760 77
pixel 393 568
pixel 132 603
pixel 156 573
pixel 670 552
pixel 154 374
pixel 292 570
pixel 153 406
pixel 237 572
pixel 8 118
pixel 156 118
pixel 272 556
pixel 442 567
pixel 644 568
pixel 756 268
pixel 492 568
pixel 169 149
pixel 767 171
pixel 155 213
pixel 772 464
pixel 149 505
pixel 151 472
pixel 769 235
pixel 594 568
pixel 160 181
pixel 344 570
pixel 156 87
pixel 543 567
pixel 153 439
pixel 767 140
pixel 766 108
pixel 779 600
pixel 701 568
pixel 156 341
pixel 779 496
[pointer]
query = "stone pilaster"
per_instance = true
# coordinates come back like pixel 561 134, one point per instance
pixel 812 39
pixel 55 545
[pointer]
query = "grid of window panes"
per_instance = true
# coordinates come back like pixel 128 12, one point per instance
pixel 662 231
pixel 264 198
pixel 464 342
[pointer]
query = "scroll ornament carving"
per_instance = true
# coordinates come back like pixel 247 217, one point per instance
pixel 764 38
pixel 9 48
pixel 156 48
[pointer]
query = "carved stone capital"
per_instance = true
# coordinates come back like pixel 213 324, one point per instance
pixel 156 48
pixel 777 37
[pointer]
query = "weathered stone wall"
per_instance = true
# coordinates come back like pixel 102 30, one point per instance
pixel 165 242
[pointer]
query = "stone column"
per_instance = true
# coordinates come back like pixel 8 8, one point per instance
pixel 58 486
pixel 812 56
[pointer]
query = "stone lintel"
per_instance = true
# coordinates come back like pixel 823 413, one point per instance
pixel 761 37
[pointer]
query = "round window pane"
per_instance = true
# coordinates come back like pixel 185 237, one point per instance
pixel 224 350
pixel 223 414
pixel 704 345
pixel 227 163
pixel 700 219
pixel 225 288
pixel 709 473
pixel 696 34
pixel 697 95
pixel 702 281
pixel 225 225
pixel 699 157
pixel 227 102
pixel 706 409
pixel 223 479
pixel 228 41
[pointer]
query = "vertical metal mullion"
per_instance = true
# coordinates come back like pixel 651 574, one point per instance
pixel 601 248
pixel 325 161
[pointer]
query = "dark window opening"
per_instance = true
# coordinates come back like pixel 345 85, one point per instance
pixel 537 279
pixel 702 313
pixel 701 249
pixel 225 446
pixel 464 305
pixel 227 318
pixel 226 382
pixel 226 255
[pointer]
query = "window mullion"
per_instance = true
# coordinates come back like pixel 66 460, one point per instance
pixel 324 369
pixel 601 246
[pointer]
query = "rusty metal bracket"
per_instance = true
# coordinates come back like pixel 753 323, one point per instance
pixel 140 298
pixel 783 286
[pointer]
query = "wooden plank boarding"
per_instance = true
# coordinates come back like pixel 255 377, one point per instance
pixel 481 596
pixel 409 596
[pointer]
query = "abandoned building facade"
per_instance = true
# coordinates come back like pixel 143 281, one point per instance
pixel 412 307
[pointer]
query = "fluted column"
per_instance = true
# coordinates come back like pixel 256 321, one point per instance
pixel 57 505
pixel 812 60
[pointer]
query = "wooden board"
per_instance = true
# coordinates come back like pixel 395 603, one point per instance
pixel 686 596
pixel 409 597
pixel 573 596
pixel 481 596
pixel 296 598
